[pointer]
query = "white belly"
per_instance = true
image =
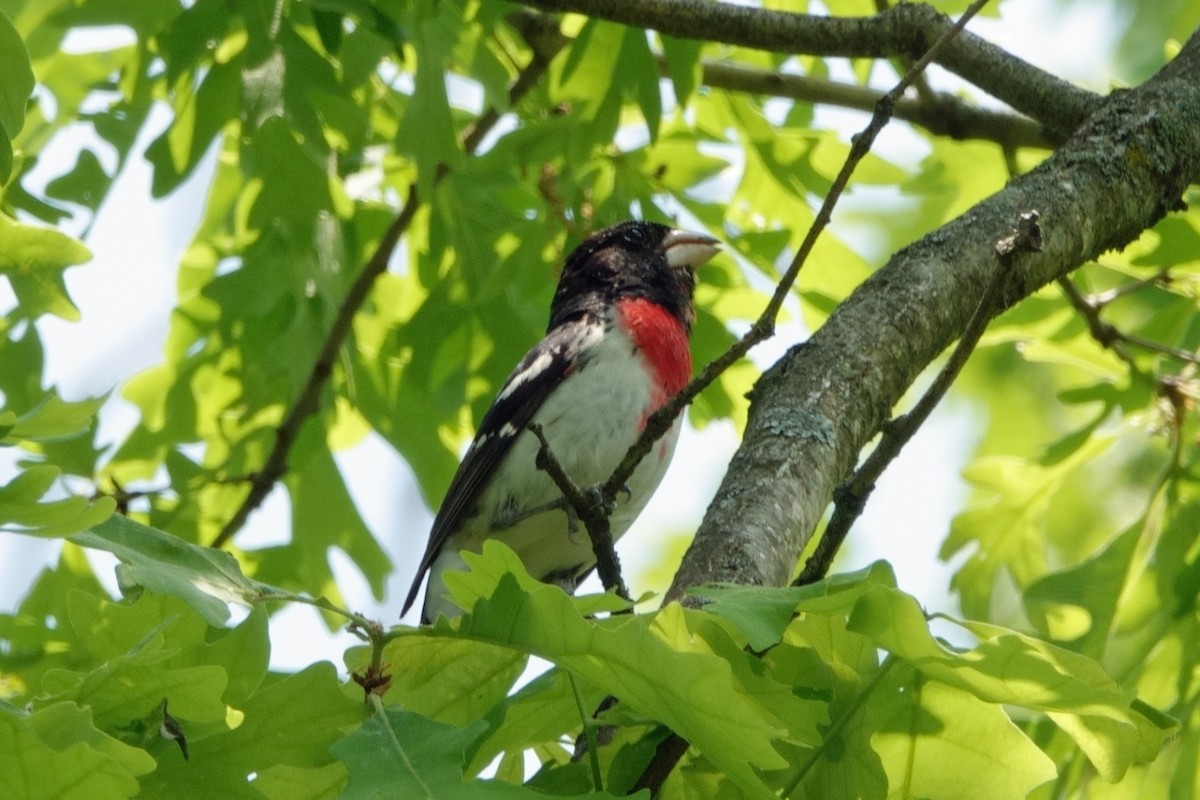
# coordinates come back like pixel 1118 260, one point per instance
pixel 590 422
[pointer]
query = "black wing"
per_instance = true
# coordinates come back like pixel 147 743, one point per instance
pixel 522 395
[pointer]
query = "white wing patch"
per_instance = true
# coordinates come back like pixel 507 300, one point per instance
pixel 535 368
pixel 590 420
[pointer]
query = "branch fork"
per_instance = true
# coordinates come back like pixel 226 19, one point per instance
pixel 592 507
pixel 850 497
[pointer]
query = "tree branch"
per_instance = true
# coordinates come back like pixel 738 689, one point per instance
pixel 814 410
pixel 307 403
pixel 1112 337
pixel 671 750
pixel 764 327
pixel 590 509
pixel 851 496
pixel 907 29
pixel 939 113
pixel 666 756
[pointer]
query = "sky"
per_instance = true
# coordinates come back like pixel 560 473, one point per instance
pixel 137 242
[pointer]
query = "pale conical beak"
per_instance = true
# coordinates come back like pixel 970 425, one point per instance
pixel 688 249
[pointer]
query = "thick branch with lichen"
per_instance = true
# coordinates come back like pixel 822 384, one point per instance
pixel 851 496
pixel 813 411
pixel 764 327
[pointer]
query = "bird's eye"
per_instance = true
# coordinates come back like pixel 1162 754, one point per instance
pixel 635 236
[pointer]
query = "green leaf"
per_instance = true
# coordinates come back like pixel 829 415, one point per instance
pixel 659 671
pixel 111 629
pixel 130 659
pixel 16 86
pixel 683 65
pixel 61 725
pixel 1006 524
pixel 33 770
pixel 329 28
pixel 1075 347
pixel 53 419
pixel 844 766
pixel 1006 666
pixel 942 743
pixel 409 755
pixel 200 114
pixel 538 715
pixel 36 635
pixel 204 578
pixel 427 130
pixel 639 74
pixel 448 680
pixel 86 183
pixel 291 724
pixel 25 509
pixel 33 259
pixel 295 188
pixel 285 782
pixel 1009 667
pixel 1077 605
pixel 764 613
pixel 132 686
pixel 586 83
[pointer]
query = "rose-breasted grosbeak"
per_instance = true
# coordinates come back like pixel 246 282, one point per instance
pixel 615 350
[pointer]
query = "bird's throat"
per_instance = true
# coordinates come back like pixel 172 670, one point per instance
pixel 662 341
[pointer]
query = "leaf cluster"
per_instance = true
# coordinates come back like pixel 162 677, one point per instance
pixel 1070 667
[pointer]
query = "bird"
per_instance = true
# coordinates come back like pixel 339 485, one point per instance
pixel 616 349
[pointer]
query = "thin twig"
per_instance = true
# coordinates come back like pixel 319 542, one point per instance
pixel 1102 299
pixel 1175 389
pixel 668 753
pixel 851 496
pixel 307 402
pixel 123 496
pixel 764 327
pixel 590 509
pixel 1177 353
pixel 901 64
pixel 666 756
pixel 1110 335
pixel 374 679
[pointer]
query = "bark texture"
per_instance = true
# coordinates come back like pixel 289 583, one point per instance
pixel 906 29
pixel 813 411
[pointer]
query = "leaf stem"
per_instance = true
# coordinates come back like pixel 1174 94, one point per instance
pixel 381 715
pixel 589 735
pixel 371 631
pixel 806 766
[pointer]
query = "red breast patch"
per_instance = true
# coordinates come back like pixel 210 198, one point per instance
pixel 662 340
